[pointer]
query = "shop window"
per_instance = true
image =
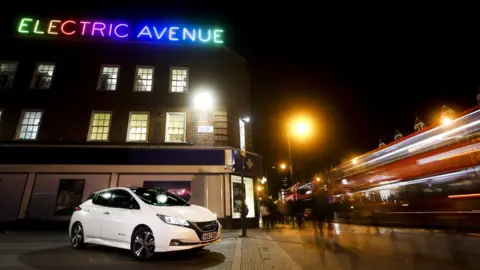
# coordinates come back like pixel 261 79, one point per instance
pixel 178 80
pixel 42 78
pixel 138 127
pixel 144 79
pixel 175 127
pixel 29 125
pixel 7 74
pixel 108 78
pixel 237 190
pixel 100 126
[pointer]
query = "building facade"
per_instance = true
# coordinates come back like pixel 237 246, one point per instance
pixel 80 112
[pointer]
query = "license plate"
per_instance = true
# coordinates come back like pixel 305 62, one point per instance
pixel 209 236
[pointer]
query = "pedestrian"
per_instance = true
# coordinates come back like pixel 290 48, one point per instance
pixel 264 212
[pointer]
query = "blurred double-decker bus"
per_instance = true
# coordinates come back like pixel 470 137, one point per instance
pixel 430 178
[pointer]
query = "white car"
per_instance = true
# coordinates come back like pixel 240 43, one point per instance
pixel 143 220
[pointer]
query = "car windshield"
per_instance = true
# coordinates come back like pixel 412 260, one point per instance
pixel 159 197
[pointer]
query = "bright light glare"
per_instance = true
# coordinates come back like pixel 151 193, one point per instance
pixel 246 119
pixel 318 179
pixel 301 128
pixel 446 120
pixel 355 161
pixel 283 166
pixel 259 188
pixel 203 101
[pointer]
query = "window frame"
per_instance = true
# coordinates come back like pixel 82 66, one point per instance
pixel 100 76
pixel 90 126
pixel 129 125
pixel 184 126
pixel 170 79
pixel 19 125
pixel 135 79
pixel 15 75
pixel 35 72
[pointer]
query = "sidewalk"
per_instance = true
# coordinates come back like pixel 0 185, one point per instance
pixel 260 251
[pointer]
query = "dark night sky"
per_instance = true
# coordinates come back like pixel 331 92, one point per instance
pixel 363 71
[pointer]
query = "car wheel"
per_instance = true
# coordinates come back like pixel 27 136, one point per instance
pixel 143 243
pixel 77 236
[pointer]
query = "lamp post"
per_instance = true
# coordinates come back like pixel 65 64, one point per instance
pixel 243 153
pixel 301 128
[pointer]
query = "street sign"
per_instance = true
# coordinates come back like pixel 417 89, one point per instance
pixel 243 149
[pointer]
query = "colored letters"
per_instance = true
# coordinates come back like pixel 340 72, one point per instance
pixel 99 29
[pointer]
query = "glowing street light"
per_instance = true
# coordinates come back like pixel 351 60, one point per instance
pixel 283 166
pixel 447 115
pixel 203 101
pixel 259 188
pixel 301 128
pixel 446 120
pixel 318 179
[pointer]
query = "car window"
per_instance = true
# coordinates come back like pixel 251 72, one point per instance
pixel 123 199
pixel 159 197
pixel 103 198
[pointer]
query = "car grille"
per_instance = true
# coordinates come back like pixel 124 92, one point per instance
pixel 209 226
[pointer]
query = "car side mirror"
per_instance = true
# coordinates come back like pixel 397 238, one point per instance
pixel 133 206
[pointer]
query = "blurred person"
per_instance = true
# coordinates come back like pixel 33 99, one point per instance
pixel 265 213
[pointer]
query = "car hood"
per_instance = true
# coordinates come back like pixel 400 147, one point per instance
pixel 192 212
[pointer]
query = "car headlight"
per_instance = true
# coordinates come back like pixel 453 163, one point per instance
pixel 174 221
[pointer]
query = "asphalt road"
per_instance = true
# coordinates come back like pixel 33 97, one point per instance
pixel 51 251
pixel 361 247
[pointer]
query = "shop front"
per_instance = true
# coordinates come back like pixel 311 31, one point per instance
pixel 49 185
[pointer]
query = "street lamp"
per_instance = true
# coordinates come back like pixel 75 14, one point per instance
pixel 243 153
pixel 301 128
pixel 283 166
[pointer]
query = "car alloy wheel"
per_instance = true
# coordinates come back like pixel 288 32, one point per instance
pixel 76 238
pixel 143 244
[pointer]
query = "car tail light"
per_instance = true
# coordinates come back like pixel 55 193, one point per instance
pixel 78 208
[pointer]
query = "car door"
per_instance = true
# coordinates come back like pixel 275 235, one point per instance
pixel 99 209
pixel 123 217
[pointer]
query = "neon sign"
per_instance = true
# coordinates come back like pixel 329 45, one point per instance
pixel 153 32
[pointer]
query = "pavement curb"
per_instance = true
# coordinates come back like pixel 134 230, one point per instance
pixel 237 255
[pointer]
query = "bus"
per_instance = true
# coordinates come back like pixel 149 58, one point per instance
pixel 428 179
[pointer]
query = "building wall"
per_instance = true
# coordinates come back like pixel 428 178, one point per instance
pixel 44 195
pixel 73 96
pixel 11 191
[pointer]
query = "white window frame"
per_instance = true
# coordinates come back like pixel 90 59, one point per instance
pixel 170 79
pixel 129 125
pixel 32 83
pixel 184 127
pixel 90 127
pixel 100 76
pixel 19 126
pixel 14 73
pixel 135 86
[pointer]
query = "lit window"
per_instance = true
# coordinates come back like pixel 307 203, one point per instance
pixel 137 127
pixel 179 80
pixel 144 79
pixel 108 78
pixel 100 126
pixel 1 112
pixel 29 125
pixel 42 79
pixel 7 74
pixel 176 125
